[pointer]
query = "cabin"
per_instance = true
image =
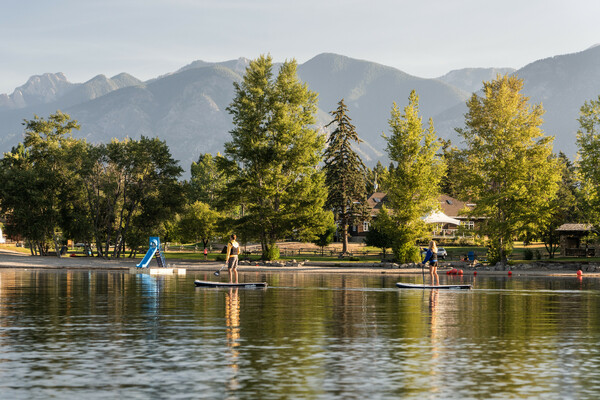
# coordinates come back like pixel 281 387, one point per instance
pixel 572 240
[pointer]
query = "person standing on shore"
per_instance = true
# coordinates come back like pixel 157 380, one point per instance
pixel 233 250
pixel 431 256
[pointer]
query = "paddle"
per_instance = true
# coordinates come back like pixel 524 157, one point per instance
pixel 217 273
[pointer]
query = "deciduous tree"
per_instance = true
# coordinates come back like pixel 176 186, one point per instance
pixel 509 171
pixel 275 151
pixel 414 177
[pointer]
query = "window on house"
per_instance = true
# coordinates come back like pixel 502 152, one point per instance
pixel 366 226
pixel 468 224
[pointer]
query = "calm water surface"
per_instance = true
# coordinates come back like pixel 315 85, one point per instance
pixel 95 335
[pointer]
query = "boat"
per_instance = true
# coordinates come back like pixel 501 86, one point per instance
pixel 228 284
pixel 415 286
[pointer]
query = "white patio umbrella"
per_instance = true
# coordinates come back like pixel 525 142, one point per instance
pixel 439 217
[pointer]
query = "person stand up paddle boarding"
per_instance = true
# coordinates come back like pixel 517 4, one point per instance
pixel 431 257
pixel 233 250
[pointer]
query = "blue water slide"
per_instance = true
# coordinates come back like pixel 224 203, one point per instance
pixel 154 243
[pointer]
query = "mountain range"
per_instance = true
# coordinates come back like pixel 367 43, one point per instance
pixel 187 108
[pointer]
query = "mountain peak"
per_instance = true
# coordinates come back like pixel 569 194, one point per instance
pixel 39 89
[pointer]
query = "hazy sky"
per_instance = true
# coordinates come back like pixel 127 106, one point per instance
pixel 147 38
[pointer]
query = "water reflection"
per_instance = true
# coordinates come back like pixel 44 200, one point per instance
pixel 232 321
pixel 80 334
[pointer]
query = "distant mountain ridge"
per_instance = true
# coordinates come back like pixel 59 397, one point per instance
pixel 187 108
pixel 49 88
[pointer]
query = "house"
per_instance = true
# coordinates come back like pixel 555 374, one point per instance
pixel 453 210
pixel 570 239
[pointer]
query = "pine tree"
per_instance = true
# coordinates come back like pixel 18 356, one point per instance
pixel 345 174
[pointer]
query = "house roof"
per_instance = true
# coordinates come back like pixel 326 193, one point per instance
pixel 575 228
pixel 450 206
pixel 453 207
pixel 376 201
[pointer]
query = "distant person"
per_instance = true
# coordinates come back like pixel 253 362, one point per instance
pixel 431 257
pixel 233 250
pixel 205 254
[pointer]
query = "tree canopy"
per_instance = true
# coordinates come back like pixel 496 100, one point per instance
pixel 345 174
pixel 273 156
pixel 413 182
pixel 508 169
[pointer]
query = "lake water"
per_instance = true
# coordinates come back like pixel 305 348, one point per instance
pixel 99 335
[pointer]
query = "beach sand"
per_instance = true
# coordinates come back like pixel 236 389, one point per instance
pixel 11 259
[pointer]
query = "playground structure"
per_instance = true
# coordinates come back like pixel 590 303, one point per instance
pixel 153 250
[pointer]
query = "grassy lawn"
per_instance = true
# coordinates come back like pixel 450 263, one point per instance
pixel 13 247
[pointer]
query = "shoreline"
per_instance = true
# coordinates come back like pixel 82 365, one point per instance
pixel 14 260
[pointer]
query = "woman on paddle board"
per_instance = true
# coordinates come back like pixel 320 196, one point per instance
pixel 233 249
pixel 431 257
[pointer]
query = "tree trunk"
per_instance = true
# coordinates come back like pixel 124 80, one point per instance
pixel 344 238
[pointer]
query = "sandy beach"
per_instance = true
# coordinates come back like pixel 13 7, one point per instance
pixel 11 259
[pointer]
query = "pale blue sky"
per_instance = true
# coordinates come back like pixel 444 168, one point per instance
pixel 148 38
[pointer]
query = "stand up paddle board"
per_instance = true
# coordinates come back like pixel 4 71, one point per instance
pixel 414 286
pixel 227 284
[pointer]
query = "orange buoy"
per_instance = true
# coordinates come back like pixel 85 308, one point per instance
pixel 579 273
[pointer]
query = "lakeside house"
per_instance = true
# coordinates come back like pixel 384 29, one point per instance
pixel 451 221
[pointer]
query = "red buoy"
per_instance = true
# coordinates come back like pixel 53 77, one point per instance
pixel 509 273
pixel 460 271
pixel 474 272
pixel 579 273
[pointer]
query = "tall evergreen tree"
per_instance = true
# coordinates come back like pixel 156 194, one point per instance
pixel 345 174
pixel 273 156
pixel 414 177
pixel 509 171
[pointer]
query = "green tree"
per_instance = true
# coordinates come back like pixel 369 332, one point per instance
pixel 454 161
pixel 567 206
pixel 376 178
pixel 326 238
pixel 414 177
pixel 207 180
pixel 381 231
pixel 130 185
pixel 35 180
pixel 509 171
pixel 345 174
pixel 273 156
pixel 198 222
pixel 588 142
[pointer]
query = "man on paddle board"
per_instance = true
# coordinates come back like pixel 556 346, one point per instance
pixel 431 257
pixel 233 250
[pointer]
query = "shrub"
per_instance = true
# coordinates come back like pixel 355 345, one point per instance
pixel 527 254
pixel 407 252
pixel 272 254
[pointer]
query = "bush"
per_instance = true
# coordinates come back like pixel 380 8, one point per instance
pixel 538 255
pixel 272 254
pixel 407 252
pixel 527 254
pixel 220 257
